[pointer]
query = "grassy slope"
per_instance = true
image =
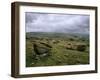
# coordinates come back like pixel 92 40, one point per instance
pixel 59 54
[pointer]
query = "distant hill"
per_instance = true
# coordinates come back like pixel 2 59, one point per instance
pixel 56 35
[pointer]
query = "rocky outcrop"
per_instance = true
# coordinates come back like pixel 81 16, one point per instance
pixel 78 47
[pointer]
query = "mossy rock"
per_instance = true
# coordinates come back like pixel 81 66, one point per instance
pixel 41 49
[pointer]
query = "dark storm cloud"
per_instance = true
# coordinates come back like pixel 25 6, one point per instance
pixel 38 22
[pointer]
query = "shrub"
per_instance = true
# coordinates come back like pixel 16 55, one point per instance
pixel 81 47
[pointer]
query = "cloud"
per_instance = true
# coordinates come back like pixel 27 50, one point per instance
pixel 67 23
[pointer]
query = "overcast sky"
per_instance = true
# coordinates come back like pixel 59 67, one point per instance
pixel 66 23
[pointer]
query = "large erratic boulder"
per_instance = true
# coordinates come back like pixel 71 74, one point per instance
pixel 42 49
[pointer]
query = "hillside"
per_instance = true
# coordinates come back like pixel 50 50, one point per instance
pixel 64 49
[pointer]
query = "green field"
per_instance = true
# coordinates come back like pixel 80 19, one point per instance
pixel 64 49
